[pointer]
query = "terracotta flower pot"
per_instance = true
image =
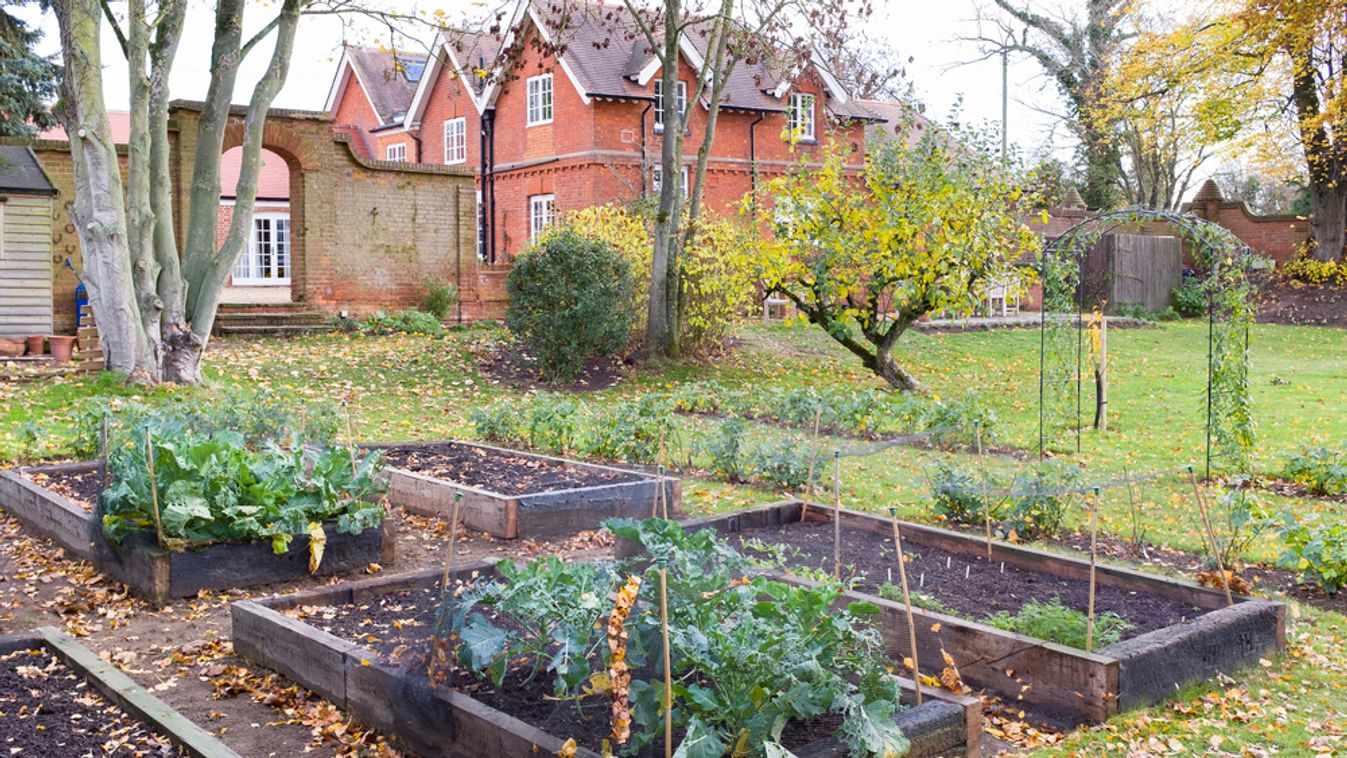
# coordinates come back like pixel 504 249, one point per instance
pixel 11 348
pixel 62 348
pixel 36 344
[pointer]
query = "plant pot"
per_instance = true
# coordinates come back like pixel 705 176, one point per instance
pixel 62 348
pixel 11 348
pixel 36 344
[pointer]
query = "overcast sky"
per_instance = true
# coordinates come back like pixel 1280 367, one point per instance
pixel 925 30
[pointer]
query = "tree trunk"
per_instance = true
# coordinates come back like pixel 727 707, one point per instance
pixel 897 376
pixel 99 212
pixel 1328 219
pixel 664 263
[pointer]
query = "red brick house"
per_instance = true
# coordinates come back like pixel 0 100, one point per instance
pixel 547 133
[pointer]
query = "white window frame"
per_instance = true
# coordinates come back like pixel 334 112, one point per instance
pixel 456 148
pixel 246 273
pixel 802 107
pixel 542 214
pixel 657 180
pixel 396 153
pixel 659 102
pixel 540 99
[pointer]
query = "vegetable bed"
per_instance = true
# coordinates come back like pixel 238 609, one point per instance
pixel 1168 633
pixel 364 646
pixel 57 698
pixel 512 494
pixel 56 501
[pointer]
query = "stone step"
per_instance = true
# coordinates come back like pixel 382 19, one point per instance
pixel 273 318
pixel 271 330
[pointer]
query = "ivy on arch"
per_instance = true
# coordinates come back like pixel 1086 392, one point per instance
pixel 1231 311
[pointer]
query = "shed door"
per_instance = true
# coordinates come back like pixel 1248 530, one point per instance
pixel 25 267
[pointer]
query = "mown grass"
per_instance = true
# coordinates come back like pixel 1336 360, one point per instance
pixel 411 387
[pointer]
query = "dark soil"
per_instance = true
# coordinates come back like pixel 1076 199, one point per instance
pixel 983 590
pixel 504 474
pixel 47 709
pixel 398 626
pixel 509 367
pixel 81 488
pixel 1289 302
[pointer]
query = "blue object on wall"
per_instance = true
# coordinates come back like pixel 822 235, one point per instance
pixel 81 300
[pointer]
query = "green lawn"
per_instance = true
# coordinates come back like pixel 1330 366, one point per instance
pixel 406 387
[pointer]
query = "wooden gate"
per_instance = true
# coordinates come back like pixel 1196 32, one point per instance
pixel 1133 269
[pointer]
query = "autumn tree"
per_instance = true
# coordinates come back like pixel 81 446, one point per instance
pixel 1077 50
pixel 27 81
pixel 1269 68
pixel 923 228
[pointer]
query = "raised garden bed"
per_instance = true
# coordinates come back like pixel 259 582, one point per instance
pixel 1181 633
pixel 362 645
pixel 57 698
pixel 56 501
pixel 511 494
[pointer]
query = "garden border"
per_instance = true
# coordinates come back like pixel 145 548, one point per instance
pixel 1071 683
pixel 160 575
pixel 540 514
pixel 451 723
pixel 120 690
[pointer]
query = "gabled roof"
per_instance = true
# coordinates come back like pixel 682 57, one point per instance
pixel 896 116
pixel 383 77
pixel 464 53
pixel 606 56
pixel 21 174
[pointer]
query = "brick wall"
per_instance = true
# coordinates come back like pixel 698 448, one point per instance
pixel 1278 237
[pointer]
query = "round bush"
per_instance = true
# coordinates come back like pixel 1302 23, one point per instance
pixel 570 299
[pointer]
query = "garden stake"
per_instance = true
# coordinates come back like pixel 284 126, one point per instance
pixel 986 507
pixel 668 675
pixel 837 514
pixel 1211 535
pixel 654 504
pixel 350 437
pixel 453 533
pixel 813 458
pixel 1094 543
pixel 154 486
pixel 103 454
pixel 907 603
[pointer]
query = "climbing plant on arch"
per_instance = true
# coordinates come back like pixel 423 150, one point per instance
pixel 1224 261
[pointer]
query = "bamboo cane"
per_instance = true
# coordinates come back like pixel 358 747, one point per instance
pixel 663 495
pixel 453 538
pixel 986 506
pixel 813 458
pixel 154 486
pixel 668 673
pixel 837 514
pixel 1211 536
pixel 103 454
pixel 907 602
pixel 1094 548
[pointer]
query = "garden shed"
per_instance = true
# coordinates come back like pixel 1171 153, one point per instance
pixel 25 244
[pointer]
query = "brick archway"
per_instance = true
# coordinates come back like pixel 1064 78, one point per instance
pixel 300 156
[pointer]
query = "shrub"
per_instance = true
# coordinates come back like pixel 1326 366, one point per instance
pixel 725 449
pixel 783 462
pixel 1190 299
pixel 1055 622
pixel 625 232
pixel 1142 313
pixel 408 321
pixel 1311 271
pixel 1245 520
pixel 440 299
pixel 719 285
pixel 570 300
pixel 956 493
pixel 1039 501
pixel 1322 470
pixel 1316 548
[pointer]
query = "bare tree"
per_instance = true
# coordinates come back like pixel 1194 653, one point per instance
pixel 156 304
pixel 1076 51
pixel 785 35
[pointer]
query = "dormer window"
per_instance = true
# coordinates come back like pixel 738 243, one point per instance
pixel 411 69
pixel 801 115
pixel 659 102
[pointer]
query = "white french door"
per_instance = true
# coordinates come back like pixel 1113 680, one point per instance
pixel 267 258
